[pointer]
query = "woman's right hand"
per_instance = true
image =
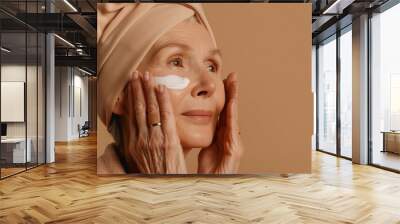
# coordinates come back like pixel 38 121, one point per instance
pixel 155 149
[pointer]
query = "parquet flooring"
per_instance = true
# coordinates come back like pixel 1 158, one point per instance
pixel 69 191
pixel 10 171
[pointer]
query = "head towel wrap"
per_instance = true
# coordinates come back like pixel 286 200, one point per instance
pixel 125 34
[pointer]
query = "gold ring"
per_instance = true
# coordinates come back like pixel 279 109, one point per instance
pixel 156 124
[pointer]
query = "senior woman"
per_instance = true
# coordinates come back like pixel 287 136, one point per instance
pixel 161 91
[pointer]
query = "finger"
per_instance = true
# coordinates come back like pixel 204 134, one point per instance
pixel 139 104
pixel 222 115
pixel 139 111
pixel 129 119
pixel 152 108
pixel 129 107
pixel 229 95
pixel 175 160
pixel 153 117
pixel 232 92
pixel 167 116
pixel 232 108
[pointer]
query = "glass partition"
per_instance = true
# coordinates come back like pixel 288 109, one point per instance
pixel 31 99
pixel 22 90
pixel 41 96
pixel 14 153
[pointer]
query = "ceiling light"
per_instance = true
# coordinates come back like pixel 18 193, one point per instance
pixel 338 6
pixel 84 71
pixel 5 50
pixel 70 5
pixel 65 41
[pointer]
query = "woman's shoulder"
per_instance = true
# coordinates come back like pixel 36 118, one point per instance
pixel 108 163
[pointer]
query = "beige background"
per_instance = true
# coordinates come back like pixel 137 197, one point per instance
pixel 269 46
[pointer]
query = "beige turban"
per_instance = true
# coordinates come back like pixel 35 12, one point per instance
pixel 125 33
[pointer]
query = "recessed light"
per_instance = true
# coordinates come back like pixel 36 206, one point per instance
pixel 70 5
pixel 5 50
pixel 64 40
pixel 84 71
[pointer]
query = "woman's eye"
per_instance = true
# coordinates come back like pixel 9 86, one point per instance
pixel 176 62
pixel 212 68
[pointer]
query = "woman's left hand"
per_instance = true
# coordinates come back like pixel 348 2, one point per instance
pixel 224 154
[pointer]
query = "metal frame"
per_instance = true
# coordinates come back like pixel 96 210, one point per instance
pixel 369 90
pixel 338 96
pixel 26 90
pixel 316 97
pixel 0 92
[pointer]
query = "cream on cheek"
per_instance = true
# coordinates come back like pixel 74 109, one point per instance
pixel 171 81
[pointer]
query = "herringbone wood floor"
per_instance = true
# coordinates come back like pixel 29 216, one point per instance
pixel 69 191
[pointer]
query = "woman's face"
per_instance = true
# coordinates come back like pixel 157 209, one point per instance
pixel 187 50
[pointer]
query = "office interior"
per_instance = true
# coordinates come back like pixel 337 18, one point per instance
pixel 47 80
pixel 48 84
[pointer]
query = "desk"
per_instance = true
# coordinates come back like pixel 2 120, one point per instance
pixel 13 150
pixel 391 141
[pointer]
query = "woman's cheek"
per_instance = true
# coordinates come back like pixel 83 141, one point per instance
pixel 176 99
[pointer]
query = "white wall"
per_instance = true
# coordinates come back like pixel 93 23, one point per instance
pixel 61 103
pixel 12 73
pixel 71 93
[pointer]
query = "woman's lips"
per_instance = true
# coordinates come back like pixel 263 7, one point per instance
pixel 199 116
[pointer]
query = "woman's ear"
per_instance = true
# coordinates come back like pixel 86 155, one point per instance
pixel 119 105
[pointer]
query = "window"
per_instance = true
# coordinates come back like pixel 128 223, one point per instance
pixel 385 89
pixel 327 95
pixel 346 93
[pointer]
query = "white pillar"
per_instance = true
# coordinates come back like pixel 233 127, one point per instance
pixel 360 89
pixel 50 103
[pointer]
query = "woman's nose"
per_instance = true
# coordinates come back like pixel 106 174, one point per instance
pixel 205 86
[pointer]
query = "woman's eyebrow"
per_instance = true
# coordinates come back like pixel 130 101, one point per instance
pixel 179 45
pixel 184 47
pixel 216 52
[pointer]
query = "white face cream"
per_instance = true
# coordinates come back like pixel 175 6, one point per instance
pixel 172 81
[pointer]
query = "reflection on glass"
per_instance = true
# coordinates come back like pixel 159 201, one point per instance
pixel 31 100
pixel 22 91
pixel 346 94
pixel 327 96
pixel 14 153
pixel 386 88
pixel 41 98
